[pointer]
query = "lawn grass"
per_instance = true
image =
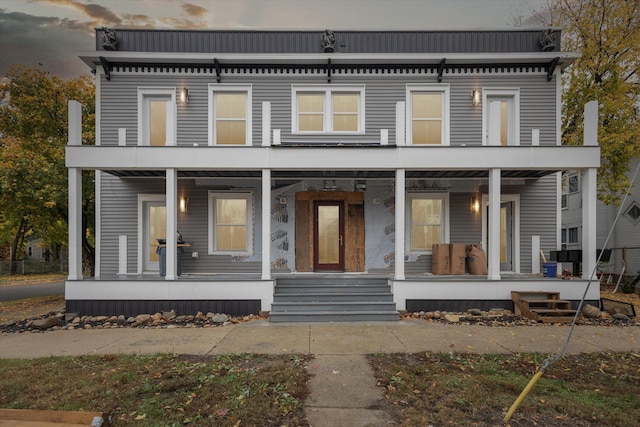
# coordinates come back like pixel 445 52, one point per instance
pixel 163 390
pixel 477 390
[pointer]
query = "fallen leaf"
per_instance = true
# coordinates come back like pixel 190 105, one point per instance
pixel 141 417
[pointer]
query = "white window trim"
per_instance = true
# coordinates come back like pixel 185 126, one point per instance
pixel 215 88
pixel 143 133
pixel 142 198
pixel 515 198
pixel 443 88
pixel 327 90
pixel 248 196
pixel 506 92
pixel 444 226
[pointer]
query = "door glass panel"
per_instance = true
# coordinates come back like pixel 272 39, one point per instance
pixel 156 230
pixel 157 122
pixel 328 234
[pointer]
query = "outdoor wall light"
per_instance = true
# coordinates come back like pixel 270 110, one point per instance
pixel 183 204
pixel 475 204
pixel 184 95
pixel 475 97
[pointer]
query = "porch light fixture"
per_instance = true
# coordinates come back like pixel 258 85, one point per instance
pixel 184 96
pixel 183 204
pixel 475 204
pixel 475 97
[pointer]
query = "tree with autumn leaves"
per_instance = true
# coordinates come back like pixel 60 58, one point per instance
pixel 607 34
pixel 33 176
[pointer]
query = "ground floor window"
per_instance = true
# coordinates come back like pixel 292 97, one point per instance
pixel 230 223
pixel 427 219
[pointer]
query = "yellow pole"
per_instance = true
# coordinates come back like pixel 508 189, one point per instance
pixel 523 394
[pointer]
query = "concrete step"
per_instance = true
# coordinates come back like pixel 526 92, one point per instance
pixel 328 297
pixel 333 306
pixel 333 316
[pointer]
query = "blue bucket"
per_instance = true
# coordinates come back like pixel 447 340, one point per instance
pixel 549 269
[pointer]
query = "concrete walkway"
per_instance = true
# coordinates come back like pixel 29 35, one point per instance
pixel 343 389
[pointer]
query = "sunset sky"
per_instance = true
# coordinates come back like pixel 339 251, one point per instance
pixel 53 32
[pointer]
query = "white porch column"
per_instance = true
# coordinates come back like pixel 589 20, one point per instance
pixel 400 214
pixel 266 224
pixel 493 230
pixel 589 190
pixel 400 118
pixel 589 194
pixel 75 195
pixel 266 124
pixel 172 224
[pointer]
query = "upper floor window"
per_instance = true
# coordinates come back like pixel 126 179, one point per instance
pixel 427 217
pixel 428 114
pixel 156 116
pixel 230 114
pixel 230 223
pixel 327 109
pixel 501 116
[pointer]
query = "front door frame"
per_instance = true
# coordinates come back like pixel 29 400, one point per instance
pixel 354 228
pixel 515 217
pixel 143 200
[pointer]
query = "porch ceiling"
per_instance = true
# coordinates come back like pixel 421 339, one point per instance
pixel 328 174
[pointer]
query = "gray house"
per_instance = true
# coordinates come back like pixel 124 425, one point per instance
pixel 313 174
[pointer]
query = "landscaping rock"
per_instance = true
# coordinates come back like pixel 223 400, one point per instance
pixel 475 312
pixel 620 316
pixel 219 318
pixel 47 323
pixel 452 318
pixel 591 311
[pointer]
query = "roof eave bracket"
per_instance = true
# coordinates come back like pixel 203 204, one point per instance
pixel 441 69
pixel 216 64
pixel 106 67
pixel 552 68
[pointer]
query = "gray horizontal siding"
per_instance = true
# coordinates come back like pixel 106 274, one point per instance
pixel 230 41
pixel 118 102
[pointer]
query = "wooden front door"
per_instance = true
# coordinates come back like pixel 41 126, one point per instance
pixel 328 236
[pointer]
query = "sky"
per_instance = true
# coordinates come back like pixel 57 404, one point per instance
pixel 51 33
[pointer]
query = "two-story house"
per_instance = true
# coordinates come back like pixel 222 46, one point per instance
pixel 310 173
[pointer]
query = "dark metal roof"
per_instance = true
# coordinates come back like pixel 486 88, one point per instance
pixel 309 42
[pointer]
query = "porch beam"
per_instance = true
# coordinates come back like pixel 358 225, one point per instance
pixel 493 232
pixel 400 224
pixel 172 224
pixel 266 224
pixel 552 158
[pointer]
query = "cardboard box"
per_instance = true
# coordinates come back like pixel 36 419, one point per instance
pixel 441 259
pixel 477 260
pixel 458 255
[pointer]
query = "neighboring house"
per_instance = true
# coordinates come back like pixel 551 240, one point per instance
pixel 299 163
pixel 624 236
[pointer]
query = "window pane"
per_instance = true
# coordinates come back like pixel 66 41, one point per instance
pixel 311 103
pixel 231 211
pixel 345 103
pixel 426 132
pixel 310 122
pixel 426 211
pixel 345 122
pixel 231 237
pixel 231 132
pixel 157 122
pixel 231 105
pixel 426 105
pixel 423 237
